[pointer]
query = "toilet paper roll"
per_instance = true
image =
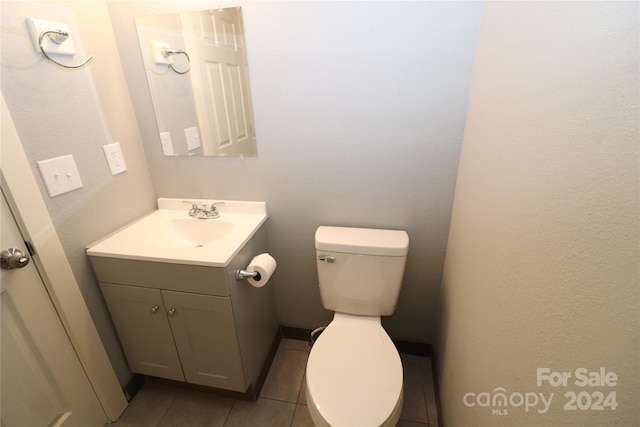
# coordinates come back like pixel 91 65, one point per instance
pixel 264 265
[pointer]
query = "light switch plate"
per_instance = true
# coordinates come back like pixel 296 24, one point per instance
pixel 193 138
pixel 115 159
pixel 60 175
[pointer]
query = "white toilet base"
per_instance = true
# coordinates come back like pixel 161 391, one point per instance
pixel 318 421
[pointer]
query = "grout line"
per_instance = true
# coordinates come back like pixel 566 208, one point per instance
pixel 226 420
pixel 280 400
pixel 299 390
pixel 166 410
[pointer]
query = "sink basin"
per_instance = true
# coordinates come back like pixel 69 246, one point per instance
pixel 169 234
pixel 185 232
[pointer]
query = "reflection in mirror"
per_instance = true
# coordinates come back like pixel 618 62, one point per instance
pixel 197 71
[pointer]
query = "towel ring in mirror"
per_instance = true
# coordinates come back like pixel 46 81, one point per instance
pixel 168 52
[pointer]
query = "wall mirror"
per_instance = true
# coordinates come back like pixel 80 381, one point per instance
pixel 197 72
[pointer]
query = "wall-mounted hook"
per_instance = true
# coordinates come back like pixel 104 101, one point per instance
pixel 58 37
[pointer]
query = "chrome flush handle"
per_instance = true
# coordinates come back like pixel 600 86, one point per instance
pixel 327 258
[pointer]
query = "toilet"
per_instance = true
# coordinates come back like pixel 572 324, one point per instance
pixel 354 372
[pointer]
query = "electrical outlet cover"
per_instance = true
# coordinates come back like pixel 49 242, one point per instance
pixel 115 159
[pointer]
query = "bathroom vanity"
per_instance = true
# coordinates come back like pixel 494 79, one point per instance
pixel 169 283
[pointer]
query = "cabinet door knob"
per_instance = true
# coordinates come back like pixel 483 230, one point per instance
pixel 171 312
pixel 154 310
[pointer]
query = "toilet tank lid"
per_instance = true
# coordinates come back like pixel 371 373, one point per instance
pixel 363 241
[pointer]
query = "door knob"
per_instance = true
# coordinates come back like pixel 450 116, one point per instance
pixel 171 312
pixel 13 258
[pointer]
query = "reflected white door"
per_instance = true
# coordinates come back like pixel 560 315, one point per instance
pixel 42 382
pixel 220 73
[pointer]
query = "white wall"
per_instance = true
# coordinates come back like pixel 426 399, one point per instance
pixel 359 112
pixel 59 112
pixel 542 262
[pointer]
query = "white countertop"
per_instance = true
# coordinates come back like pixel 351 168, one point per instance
pixel 170 235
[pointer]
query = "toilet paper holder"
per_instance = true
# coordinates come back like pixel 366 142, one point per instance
pixel 244 274
pixel 259 270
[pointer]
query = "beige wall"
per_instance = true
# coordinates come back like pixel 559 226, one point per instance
pixel 542 262
pixel 58 112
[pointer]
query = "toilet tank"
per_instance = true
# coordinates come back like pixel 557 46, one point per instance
pixel 360 269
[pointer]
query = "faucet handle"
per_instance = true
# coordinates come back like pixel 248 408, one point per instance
pixel 194 207
pixel 213 205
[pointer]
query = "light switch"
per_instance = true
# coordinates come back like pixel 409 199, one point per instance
pixel 193 138
pixel 115 159
pixel 60 175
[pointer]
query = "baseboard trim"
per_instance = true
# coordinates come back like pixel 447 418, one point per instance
pixel 414 348
pixel 295 333
pixel 133 386
pixel 247 395
pixel 436 387
pixel 404 347
pixel 267 365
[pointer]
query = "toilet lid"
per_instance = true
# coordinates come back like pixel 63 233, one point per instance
pixel 354 372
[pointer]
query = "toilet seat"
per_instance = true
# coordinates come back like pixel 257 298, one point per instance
pixel 354 374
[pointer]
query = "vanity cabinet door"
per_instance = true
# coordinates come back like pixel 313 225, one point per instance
pixel 141 320
pixel 205 335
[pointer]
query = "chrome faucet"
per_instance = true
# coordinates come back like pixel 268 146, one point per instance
pixel 203 212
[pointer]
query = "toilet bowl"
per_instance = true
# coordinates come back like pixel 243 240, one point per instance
pixel 354 375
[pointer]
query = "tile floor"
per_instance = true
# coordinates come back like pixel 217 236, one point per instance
pixel 282 400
